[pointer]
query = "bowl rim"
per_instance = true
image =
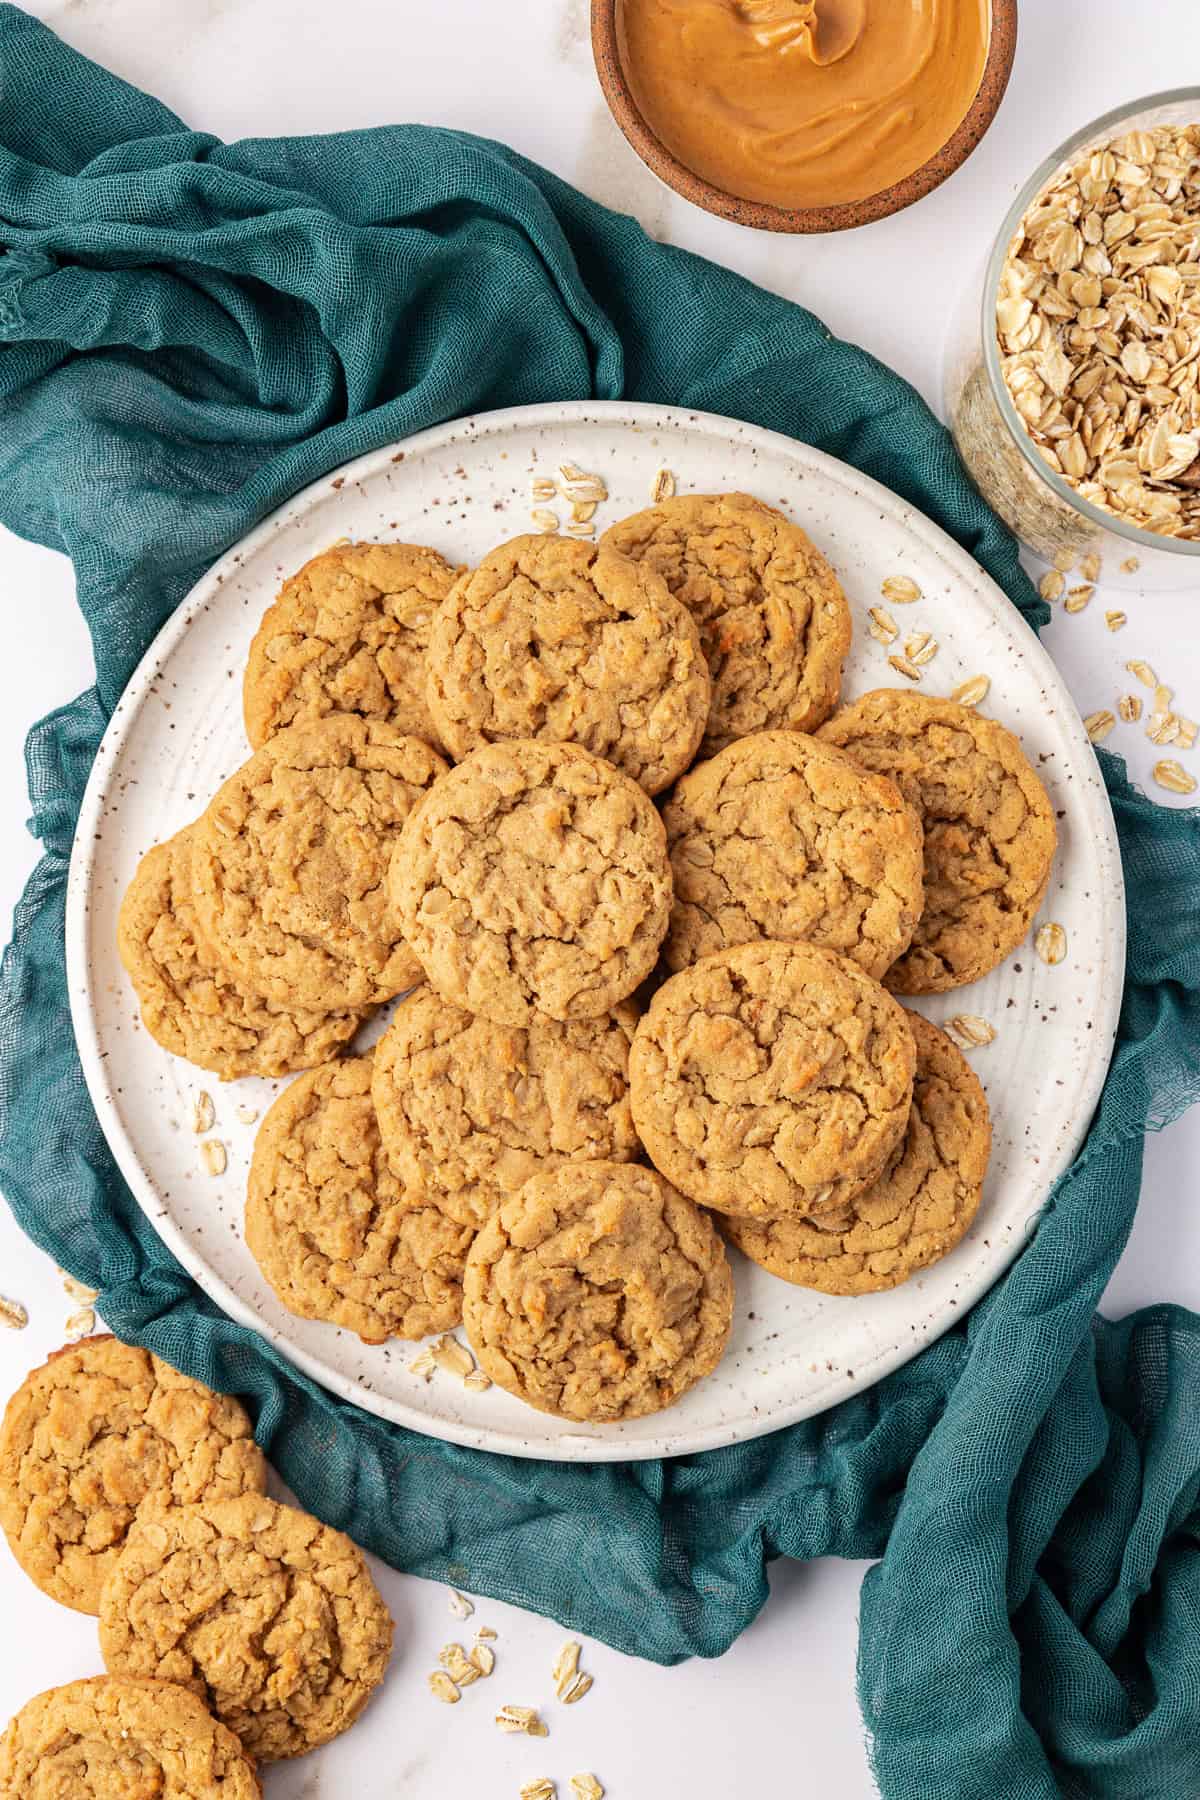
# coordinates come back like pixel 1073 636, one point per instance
pixel 1092 136
pixel 843 215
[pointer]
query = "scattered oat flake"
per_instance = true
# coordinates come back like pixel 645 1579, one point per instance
pixel 1089 566
pixel 583 510
pixel 442 1688
pixel 1064 562
pixel 450 1354
pixel 1115 620
pixel 483 1658
pixel 902 666
pixel 477 1382
pixel 971 692
pixel 13 1314
pixel 1141 671
pixel 1051 944
pixel 81 1324
pixel 663 486
pixel 485 1634
pixel 458 1665
pixel 424 1366
pixel 1186 735
pixel 204 1113
pixel 578 528
pixel 541 1789
pixel 1098 725
pixel 570 472
pixel 522 1718
pixel 75 1290
pixel 1130 707
pixel 883 627
pixel 1130 566
pixel 901 589
pixel 921 649
pixel 1173 776
pixel 544 520
pixel 587 1787
pixel 543 487
pixel 247 1115
pixel 213 1156
pixel 577 1690
pixel 1077 598
pixel 566 1665
pixel 1052 584
pixel 969 1031
pixel 460 1606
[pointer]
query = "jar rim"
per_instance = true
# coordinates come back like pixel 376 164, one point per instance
pixel 1098 132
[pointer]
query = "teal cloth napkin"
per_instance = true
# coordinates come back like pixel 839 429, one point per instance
pixel 189 332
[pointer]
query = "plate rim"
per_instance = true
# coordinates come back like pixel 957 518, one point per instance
pixel 572 1446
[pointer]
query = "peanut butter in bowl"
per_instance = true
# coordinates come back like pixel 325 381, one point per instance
pixel 803 103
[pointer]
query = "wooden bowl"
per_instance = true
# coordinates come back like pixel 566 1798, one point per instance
pixel 761 215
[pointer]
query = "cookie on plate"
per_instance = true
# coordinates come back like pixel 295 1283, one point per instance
pixel 191 1004
pixel 917 1211
pixel 332 1229
pixel 533 879
pixel 558 639
pixel 774 623
pixel 269 1616
pixel 348 633
pixel 98 1435
pixel 989 829
pixel 288 863
pixel 772 1080
pixel 109 1738
pixel 780 836
pixel 598 1293
pixel 469 1110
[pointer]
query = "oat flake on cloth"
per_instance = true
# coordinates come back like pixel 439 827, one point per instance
pixel 190 331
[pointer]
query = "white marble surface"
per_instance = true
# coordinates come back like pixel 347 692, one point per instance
pixel 781 1703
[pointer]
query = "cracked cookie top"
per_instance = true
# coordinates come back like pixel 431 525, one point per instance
pixel 289 863
pixel 917 1211
pixel 989 829
pixel 469 1110
pixel 598 1293
pixel 772 1080
pixel 193 1006
pixel 558 639
pixel 533 878
pixel 780 836
pixel 109 1738
pixel 331 1228
pixel 774 623
pixel 348 633
pixel 269 1616
pixel 98 1435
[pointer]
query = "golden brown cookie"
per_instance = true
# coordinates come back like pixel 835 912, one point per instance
pixel 115 1739
pixel 469 1110
pixel 772 1080
pixel 598 1293
pixel 288 863
pixel 533 879
pixel 332 1229
pixel 348 633
pixel 193 1006
pixel 554 638
pixel 269 1616
pixel 783 837
pixel 917 1211
pixel 774 623
pixel 989 829
pixel 98 1435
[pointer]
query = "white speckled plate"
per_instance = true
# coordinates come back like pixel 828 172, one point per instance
pixel 178 732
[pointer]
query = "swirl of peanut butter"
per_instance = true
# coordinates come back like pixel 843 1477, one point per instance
pixel 803 102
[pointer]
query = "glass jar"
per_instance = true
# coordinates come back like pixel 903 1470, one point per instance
pixel 1043 508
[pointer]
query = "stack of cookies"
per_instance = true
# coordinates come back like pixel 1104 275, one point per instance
pixel 234 1630
pixel 486 1160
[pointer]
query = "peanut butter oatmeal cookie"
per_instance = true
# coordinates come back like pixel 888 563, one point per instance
pixel 469 1110
pixel 554 638
pixel 533 879
pixel 288 863
pixel 269 1616
pixel 774 623
pixel 332 1229
pixel 916 1212
pixel 989 829
pixel 98 1435
pixel 783 837
pixel 115 1739
pixel 598 1293
pixel 772 1080
pixel 348 633
pixel 193 1006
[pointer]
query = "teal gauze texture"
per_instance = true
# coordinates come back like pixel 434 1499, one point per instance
pixel 190 331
